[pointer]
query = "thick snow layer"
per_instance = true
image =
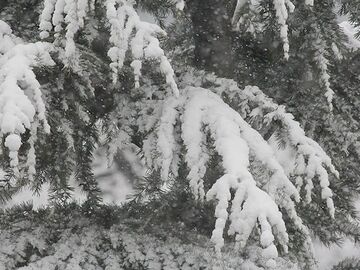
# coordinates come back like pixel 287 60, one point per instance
pixel 201 113
pixel 123 20
pixel 21 102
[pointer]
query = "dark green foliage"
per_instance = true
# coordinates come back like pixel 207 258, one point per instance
pixel 259 61
pixel 78 100
pixel 22 15
pixel 75 101
pixel 348 264
pixel 55 238
pixel 159 204
pixel 296 84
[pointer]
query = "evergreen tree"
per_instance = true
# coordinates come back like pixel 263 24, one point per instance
pixel 209 142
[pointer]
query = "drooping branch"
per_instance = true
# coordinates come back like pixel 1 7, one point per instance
pixel 310 159
pixel 200 112
pixel 126 28
pixel 282 9
pixel 144 45
pixel 20 95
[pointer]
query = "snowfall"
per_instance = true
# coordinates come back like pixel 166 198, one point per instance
pixel 116 187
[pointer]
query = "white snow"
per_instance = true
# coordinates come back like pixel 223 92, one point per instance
pixel 13 142
pixel 323 64
pixel 282 15
pixel 166 141
pixel 180 4
pixel 309 2
pixel 21 103
pixel 123 20
pixel 45 18
pixel 350 32
pixel 201 111
pixel 72 13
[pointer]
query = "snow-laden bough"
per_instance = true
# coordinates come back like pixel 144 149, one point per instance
pixel 127 32
pixel 21 103
pixel 201 112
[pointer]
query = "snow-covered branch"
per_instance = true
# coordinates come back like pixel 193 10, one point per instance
pixel 126 28
pixel 234 139
pixel 305 160
pixel 7 39
pixel 124 20
pixel 21 103
pixel 322 63
pixel 198 113
pixel 85 244
pixel 310 160
pixel 71 13
pixel 166 139
pixel 201 112
pixel 282 9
